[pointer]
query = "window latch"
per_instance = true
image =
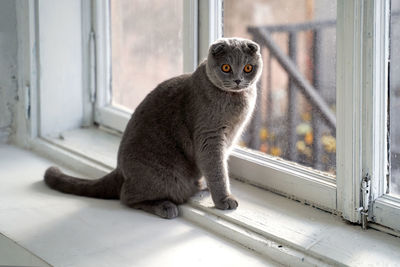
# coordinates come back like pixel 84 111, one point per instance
pixel 365 193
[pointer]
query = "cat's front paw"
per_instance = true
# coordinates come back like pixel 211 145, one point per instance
pixel 227 203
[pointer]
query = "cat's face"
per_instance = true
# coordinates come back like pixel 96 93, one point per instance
pixel 234 64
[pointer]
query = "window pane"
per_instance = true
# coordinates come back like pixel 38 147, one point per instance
pixel 287 122
pixel 394 95
pixel 146 47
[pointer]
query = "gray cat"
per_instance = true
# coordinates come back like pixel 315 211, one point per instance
pixel 182 131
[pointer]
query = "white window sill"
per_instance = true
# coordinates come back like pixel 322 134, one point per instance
pixel 281 229
pixel 42 227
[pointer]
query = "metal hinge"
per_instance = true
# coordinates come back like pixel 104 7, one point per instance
pixel 365 193
pixel 92 67
pixel 27 102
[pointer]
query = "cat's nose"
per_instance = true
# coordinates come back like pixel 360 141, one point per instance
pixel 237 81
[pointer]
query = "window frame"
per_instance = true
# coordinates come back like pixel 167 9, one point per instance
pixel 362 66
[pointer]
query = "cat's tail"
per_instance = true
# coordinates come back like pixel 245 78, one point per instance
pixel 107 187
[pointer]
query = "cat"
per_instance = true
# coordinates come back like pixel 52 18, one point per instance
pixel 181 132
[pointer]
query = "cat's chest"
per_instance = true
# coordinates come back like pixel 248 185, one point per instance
pixel 225 110
pixel 237 107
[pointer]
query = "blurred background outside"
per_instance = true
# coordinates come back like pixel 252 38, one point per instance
pixel 146 47
pixel 288 122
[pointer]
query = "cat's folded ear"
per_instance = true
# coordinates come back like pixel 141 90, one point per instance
pixel 252 48
pixel 218 49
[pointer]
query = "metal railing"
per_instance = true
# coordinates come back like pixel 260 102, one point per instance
pixel 322 114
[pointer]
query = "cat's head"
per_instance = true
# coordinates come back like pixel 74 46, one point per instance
pixel 234 64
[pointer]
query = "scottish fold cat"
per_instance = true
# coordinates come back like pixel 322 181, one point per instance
pixel 182 131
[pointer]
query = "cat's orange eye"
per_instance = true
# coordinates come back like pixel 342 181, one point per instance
pixel 248 68
pixel 226 68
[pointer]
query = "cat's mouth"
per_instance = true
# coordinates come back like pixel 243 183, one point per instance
pixel 233 87
pixel 238 87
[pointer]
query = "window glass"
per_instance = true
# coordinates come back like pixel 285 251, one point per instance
pixel 146 47
pixel 288 123
pixel 394 95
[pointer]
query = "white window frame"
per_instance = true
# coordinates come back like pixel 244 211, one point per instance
pixel 362 57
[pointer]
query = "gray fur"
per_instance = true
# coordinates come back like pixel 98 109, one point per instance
pixel 182 131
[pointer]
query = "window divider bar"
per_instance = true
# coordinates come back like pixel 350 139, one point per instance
pixel 210 24
pixel 350 61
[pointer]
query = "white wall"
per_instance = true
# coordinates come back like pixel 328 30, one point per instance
pixel 8 67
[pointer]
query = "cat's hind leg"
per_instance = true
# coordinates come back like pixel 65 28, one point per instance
pixel 157 190
pixel 163 208
pixel 138 198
